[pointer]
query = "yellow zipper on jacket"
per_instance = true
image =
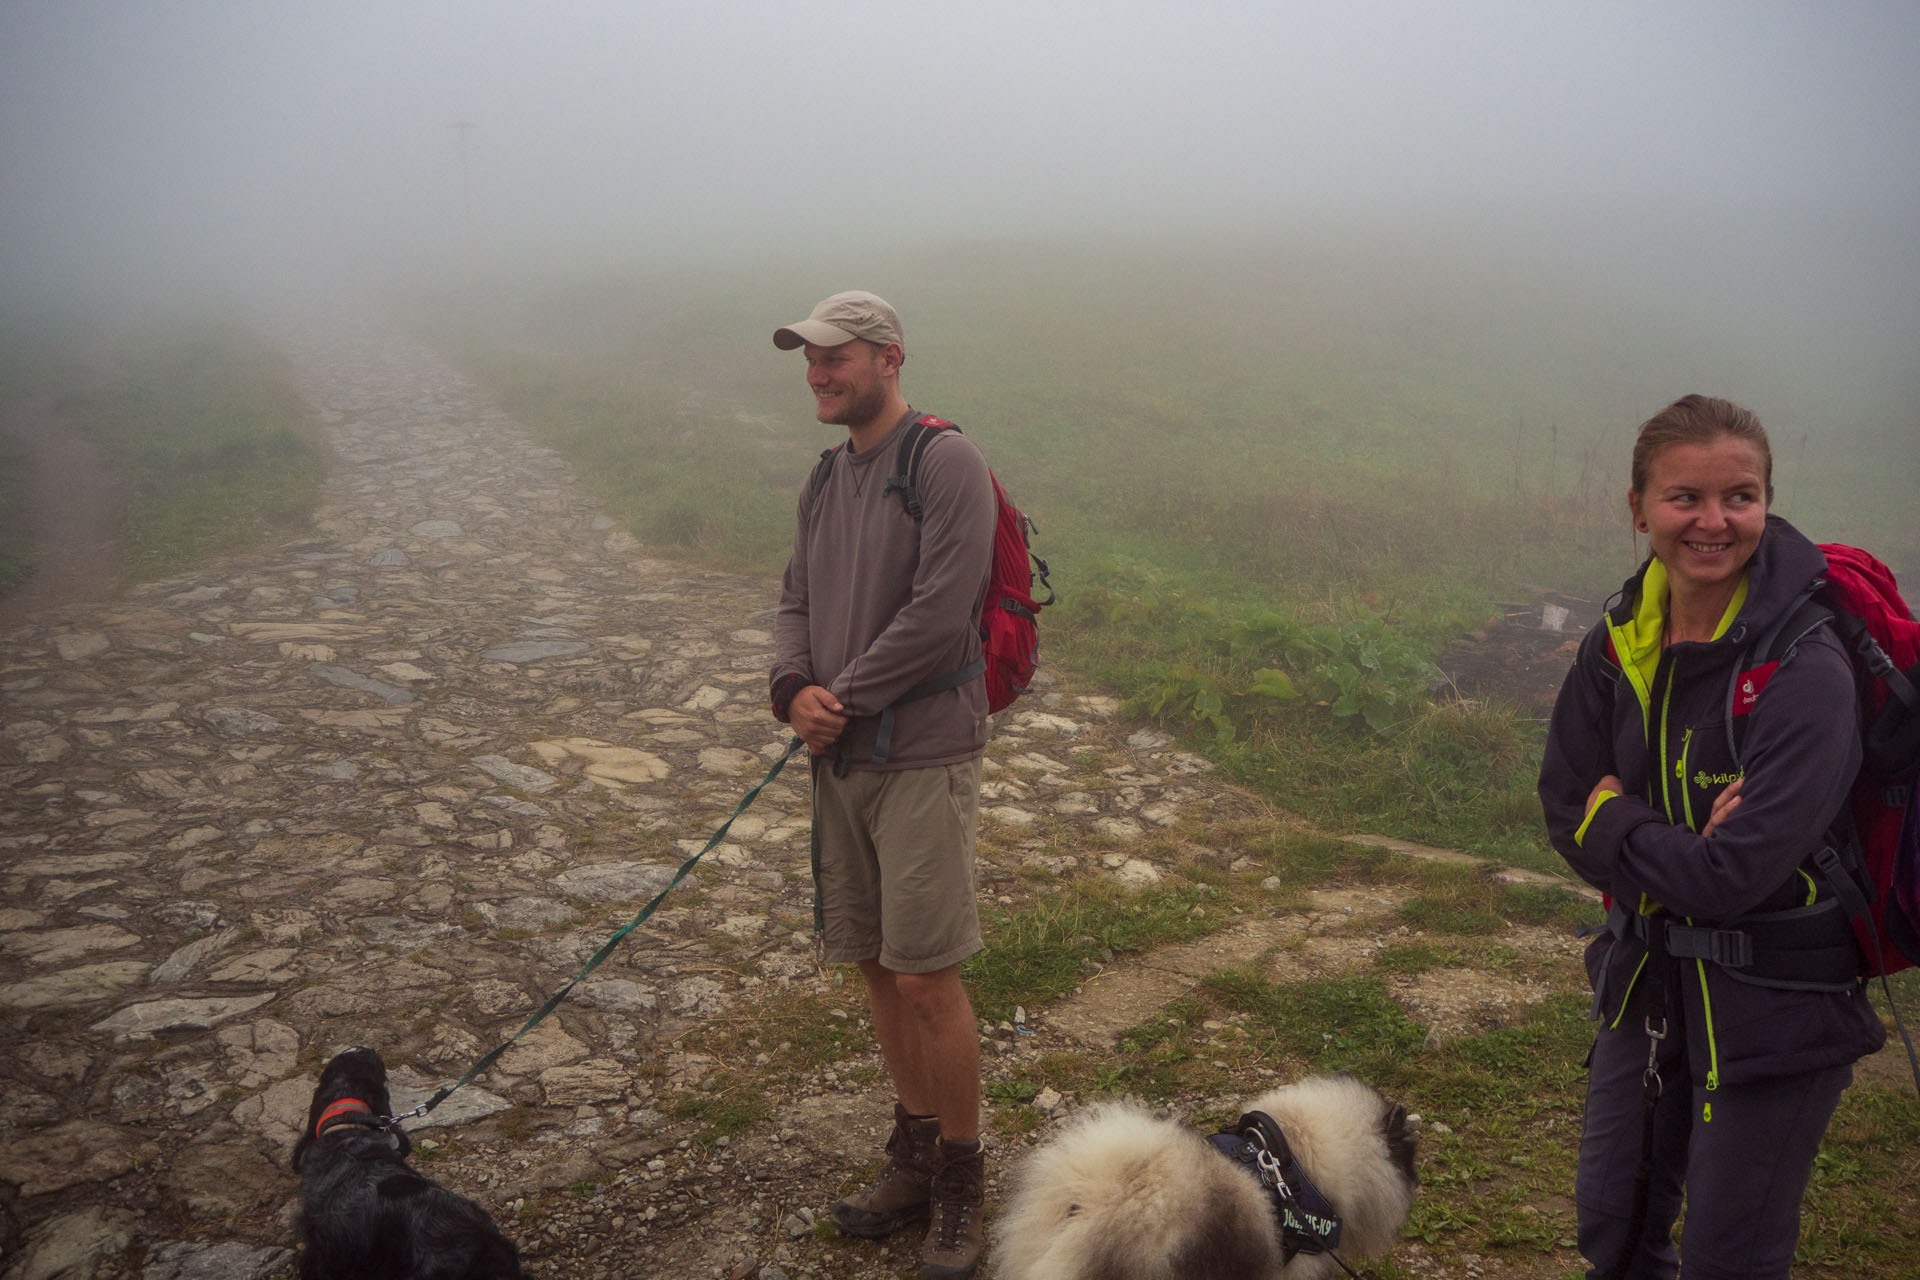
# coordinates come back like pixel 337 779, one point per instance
pixel 1713 1047
pixel 1680 773
pixel 1666 706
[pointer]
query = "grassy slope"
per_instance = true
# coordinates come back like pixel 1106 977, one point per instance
pixel 1383 449
pixel 207 423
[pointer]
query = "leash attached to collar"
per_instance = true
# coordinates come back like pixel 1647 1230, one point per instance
pixel 1308 1223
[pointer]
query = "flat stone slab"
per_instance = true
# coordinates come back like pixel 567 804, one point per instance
pixel 70 1154
pixel 437 529
pixel 228 1260
pixel 521 652
pixel 501 769
pixel 463 1106
pixel 531 914
pixel 583 1083
pixel 547 1045
pixel 620 995
pixel 78 648
pixel 182 962
pixel 84 985
pixel 78 864
pixel 275 632
pixel 63 946
pixel 616 881
pixel 74 1244
pixel 347 678
pixel 606 763
pixel 154 1016
pixel 239 722
pixel 728 760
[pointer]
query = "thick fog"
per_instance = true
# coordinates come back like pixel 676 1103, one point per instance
pixel 1764 152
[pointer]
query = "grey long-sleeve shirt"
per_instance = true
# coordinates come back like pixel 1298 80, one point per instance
pixel 872 605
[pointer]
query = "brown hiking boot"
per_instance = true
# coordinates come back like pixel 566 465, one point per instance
pixel 899 1196
pixel 957 1235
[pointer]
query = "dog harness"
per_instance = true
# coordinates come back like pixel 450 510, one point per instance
pixel 1307 1221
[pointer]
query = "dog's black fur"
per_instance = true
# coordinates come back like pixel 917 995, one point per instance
pixel 365 1214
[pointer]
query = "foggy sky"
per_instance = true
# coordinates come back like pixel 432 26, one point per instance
pixel 166 143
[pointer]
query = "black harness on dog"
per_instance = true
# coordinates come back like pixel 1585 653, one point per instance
pixel 1307 1221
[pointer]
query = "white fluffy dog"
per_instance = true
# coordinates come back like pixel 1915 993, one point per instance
pixel 1122 1194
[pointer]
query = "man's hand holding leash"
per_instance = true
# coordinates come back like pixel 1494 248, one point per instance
pixel 817 717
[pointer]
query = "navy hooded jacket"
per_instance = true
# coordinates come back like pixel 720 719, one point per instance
pixel 1659 721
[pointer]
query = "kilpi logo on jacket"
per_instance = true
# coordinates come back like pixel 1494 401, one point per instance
pixel 1703 779
pixel 1747 689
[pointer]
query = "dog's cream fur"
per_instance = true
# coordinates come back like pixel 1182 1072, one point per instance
pixel 1122 1194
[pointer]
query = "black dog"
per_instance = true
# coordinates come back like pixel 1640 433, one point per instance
pixel 364 1214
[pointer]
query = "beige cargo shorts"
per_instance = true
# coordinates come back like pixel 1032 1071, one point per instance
pixel 896 864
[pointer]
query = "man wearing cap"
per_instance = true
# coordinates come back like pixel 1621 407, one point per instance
pixel 877 629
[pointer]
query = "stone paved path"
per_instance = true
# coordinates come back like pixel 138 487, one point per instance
pixel 390 785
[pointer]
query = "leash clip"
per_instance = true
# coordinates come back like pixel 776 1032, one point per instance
pixel 393 1122
pixel 1268 1164
pixel 1270 1172
pixel 1651 1077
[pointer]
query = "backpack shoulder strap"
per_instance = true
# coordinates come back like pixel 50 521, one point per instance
pixel 821 470
pixel 906 461
pixel 1775 646
pixel 1807 613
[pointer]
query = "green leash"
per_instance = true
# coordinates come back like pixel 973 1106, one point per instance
pixel 606 948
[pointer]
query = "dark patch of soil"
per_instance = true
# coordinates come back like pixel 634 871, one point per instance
pixel 1517 656
pixel 71 516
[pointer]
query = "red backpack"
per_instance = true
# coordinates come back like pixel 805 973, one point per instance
pixel 1009 617
pixel 1862 598
pixel 1876 874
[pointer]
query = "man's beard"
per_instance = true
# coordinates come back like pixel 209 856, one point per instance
pixel 858 412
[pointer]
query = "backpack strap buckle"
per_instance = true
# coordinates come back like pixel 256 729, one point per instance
pixel 1729 948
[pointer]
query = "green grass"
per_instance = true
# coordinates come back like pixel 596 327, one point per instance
pixel 1044 951
pixel 206 422
pixel 1463 901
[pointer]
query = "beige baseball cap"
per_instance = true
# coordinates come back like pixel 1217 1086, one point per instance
pixel 842 318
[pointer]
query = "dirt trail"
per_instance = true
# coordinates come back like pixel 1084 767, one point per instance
pixel 73 505
pixel 391 784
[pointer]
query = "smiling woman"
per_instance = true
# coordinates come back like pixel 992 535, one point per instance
pixel 1695 829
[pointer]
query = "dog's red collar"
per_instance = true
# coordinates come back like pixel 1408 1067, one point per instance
pixel 346 1106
